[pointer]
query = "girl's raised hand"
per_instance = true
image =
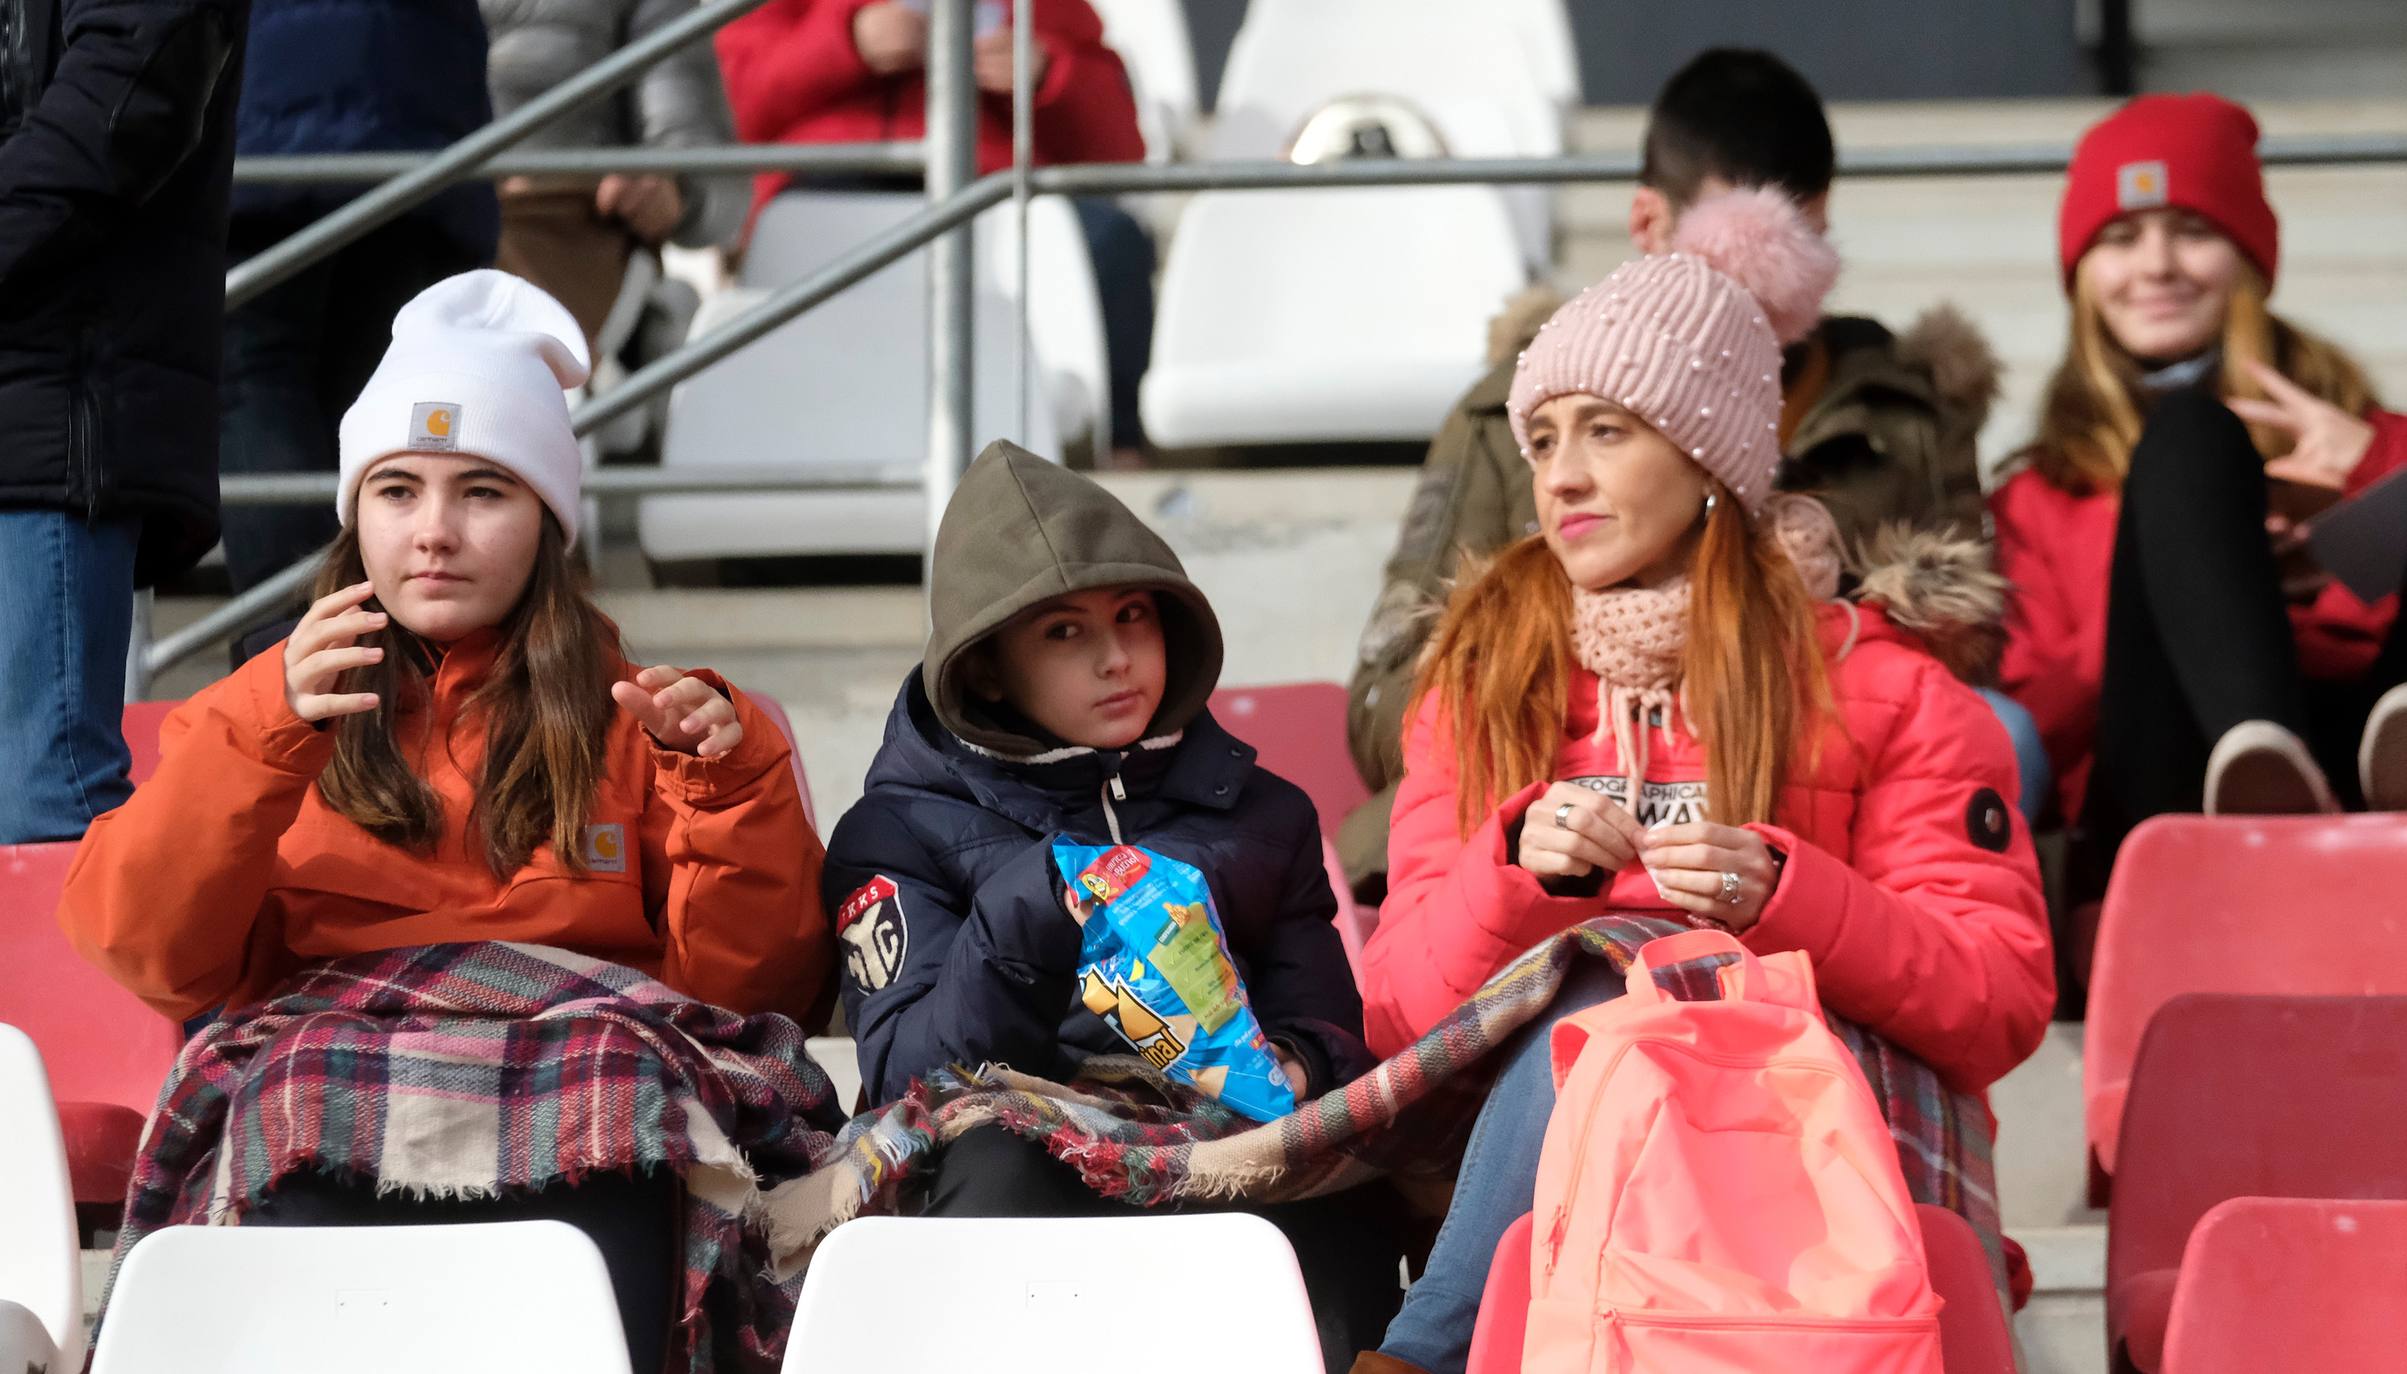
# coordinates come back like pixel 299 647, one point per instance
pixel 682 713
pixel 2330 441
pixel 323 647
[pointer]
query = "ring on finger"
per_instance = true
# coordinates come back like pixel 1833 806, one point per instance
pixel 1733 891
pixel 1563 816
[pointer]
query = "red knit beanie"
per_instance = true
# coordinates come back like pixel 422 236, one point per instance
pixel 2196 152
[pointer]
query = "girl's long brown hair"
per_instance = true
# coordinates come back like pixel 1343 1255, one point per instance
pixel 545 709
pixel 1755 681
pixel 2093 409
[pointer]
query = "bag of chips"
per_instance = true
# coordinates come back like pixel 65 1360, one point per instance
pixel 1155 966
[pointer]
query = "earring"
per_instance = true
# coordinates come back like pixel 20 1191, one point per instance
pixel 1709 499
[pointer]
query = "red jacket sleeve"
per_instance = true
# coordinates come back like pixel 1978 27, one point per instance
pixel 2338 635
pixel 1085 110
pixel 2054 660
pixel 742 920
pixel 1934 932
pixel 788 60
pixel 1458 910
pixel 166 890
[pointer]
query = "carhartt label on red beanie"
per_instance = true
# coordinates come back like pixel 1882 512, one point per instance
pixel 2192 152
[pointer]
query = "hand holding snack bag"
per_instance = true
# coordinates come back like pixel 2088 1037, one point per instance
pixel 1156 967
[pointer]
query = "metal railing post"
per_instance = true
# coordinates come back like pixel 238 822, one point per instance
pixel 952 151
pixel 395 197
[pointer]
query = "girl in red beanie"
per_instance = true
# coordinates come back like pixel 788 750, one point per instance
pixel 2174 654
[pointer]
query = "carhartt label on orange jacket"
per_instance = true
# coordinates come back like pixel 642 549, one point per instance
pixel 606 848
pixel 435 426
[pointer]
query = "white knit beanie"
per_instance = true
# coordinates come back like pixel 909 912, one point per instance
pixel 480 365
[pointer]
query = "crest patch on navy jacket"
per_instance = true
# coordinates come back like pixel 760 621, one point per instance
pixel 875 939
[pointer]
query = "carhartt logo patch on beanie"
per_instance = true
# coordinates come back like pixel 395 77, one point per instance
pixel 480 365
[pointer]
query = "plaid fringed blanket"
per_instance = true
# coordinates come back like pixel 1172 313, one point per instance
pixel 1133 1136
pixel 461 1070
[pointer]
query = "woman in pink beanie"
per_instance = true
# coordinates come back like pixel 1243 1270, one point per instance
pixel 2174 656
pixel 1654 709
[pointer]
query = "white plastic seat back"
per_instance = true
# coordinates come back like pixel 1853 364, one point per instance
pixel 1326 315
pixel 847 383
pixel 41 1269
pixel 522 1297
pixel 1475 77
pixel 1153 43
pixel 1167 1295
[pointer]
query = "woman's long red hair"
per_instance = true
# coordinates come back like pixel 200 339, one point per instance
pixel 1754 680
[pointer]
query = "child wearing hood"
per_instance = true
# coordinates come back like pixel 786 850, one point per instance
pixel 1062 699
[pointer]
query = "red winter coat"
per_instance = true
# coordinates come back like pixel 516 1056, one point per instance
pixel 793 76
pixel 2057 548
pixel 1910 879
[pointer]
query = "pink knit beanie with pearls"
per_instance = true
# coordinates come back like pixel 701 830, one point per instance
pixel 1689 341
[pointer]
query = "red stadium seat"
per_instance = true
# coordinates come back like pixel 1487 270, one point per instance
pixel 2236 1096
pixel 1973 1336
pixel 107 1052
pixel 1504 1306
pixel 769 707
pixel 1298 732
pixel 2307 905
pixel 2292 1283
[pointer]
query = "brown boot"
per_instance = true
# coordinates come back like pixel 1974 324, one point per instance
pixel 1372 1362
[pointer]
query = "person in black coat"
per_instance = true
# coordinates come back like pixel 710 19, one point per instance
pixel 116 149
pixel 339 76
pixel 1062 699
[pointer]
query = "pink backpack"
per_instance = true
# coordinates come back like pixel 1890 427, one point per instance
pixel 1718 1191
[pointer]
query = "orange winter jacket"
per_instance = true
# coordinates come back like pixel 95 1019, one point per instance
pixel 227 870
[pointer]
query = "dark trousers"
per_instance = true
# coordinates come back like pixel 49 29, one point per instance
pixel 2198 635
pixel 1124 265
pixel 1345 1243
pixel 632 1221
pixel 295 360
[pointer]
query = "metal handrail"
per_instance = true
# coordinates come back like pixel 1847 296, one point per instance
pixel 949 215
pixel 396 197
pixel 826 159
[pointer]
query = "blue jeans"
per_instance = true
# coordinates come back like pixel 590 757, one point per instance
pixel 66 611
pixel 2030 752
pixel 1497 1183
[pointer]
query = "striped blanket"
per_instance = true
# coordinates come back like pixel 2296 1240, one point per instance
pixel 466 1069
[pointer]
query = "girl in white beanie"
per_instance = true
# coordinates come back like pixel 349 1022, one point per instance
pixel 452 747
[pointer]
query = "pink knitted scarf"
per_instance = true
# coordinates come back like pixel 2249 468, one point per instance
pixel 1635 638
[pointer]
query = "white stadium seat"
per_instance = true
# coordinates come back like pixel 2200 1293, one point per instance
pixel 1152 41
pixel 1478 81
pixel 1326 315
pixel 41 1272
pixel 847 383
pixel 1040 1296
pixel 521 1297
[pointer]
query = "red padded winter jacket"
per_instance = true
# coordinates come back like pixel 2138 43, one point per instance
pixel 794 76
pixel 1909 877
pixel 2057 548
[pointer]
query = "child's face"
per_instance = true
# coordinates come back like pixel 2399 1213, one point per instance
pixel 1087 667
pixel 450 541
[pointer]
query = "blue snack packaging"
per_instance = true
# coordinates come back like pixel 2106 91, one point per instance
pixel 1155 966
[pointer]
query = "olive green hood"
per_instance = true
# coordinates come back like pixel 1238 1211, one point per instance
pixel 1019 532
